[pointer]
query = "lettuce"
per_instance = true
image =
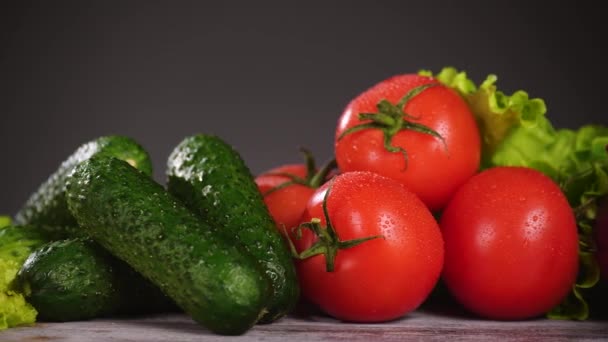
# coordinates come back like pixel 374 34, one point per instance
pixel 4 221
pixel 16 244
pixel 14 310
pixel 516 132
pixel 496 113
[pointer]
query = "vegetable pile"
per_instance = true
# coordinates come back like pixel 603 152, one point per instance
pixel 436 184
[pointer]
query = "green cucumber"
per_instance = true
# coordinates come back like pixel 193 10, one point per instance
pixel 76 279
pixel 213 279
pixel 47 208
pixel 211 178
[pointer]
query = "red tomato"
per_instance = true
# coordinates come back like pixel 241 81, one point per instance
pixel 287 188
pixel 511 244
pixel 287 204
pixel 380 279
pixel 435 167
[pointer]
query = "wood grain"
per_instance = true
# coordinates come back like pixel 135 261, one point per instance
pixel 418 326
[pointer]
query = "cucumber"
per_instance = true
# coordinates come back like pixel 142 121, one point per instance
pixel 211 278
pixel 211 178
pixel 76 279
pixel 47 208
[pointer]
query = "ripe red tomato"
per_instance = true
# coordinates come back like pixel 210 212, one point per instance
pixel 435 166
pixel 287 189
pixel 511 244
pixel 379 279
pixel 287 204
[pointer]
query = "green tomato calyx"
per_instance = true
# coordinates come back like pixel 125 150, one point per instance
pixel 392 118
pixel 313 179
pixel 328 242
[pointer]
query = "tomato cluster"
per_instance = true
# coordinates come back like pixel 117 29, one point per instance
pixel 410 206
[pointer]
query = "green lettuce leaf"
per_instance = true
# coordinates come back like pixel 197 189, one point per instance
pixel 496 112
pixel 4 221
pixel 16 244
pixel 14 310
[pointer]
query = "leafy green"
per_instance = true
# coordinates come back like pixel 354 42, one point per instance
pixel 496 112
pixel 16 244
pixel 14 310
pixel 4 221
pixel 516 132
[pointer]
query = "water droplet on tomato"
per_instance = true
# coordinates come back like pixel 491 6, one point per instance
pixel 486 236
pixel 534 225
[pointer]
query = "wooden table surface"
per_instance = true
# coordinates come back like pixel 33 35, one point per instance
pixel 421 325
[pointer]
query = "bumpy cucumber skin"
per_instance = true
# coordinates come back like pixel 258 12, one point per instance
pixel 212 179
pixel 69 280
pixel 211 278
pixel 76 279
pixel 47 208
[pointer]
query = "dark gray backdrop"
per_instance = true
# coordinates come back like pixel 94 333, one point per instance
pixel 266 76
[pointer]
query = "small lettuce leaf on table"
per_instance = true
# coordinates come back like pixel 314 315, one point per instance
pixel 16 244
pixel 4 221
pixel 14 310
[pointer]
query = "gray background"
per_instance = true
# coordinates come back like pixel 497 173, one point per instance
pixel 266 76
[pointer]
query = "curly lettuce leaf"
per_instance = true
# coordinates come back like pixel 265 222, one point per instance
pixel 4 221
pixel 496 112
pixel 14 310
pixel 576 159
pixel 16 244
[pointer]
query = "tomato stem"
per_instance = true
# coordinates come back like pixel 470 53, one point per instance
pixel 313 178
pixel 328 242
pixel 392 118
pixel 319 178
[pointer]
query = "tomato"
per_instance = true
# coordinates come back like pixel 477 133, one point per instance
pixel 511 244
pixel 379 279
pixel 435 149
pixel 287 188
pixel 285 205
